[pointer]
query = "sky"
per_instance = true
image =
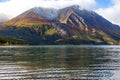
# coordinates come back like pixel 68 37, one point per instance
pixel 109 9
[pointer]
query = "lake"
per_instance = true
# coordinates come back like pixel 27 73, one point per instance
pixel 60 62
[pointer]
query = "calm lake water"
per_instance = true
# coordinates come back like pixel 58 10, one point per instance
pixel 59 63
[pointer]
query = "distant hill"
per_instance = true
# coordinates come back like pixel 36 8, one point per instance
pixel 70 25
pixel 3 18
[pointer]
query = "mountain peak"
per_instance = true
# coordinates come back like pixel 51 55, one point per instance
pixel 48 13
pixel 75 7
pixel 51 14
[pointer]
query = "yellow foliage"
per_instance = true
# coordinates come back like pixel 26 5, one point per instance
pixel 50 32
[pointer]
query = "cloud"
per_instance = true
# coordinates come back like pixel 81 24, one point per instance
pixel 111 13
pixel 15 7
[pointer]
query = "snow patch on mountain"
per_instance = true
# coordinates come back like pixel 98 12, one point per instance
pixel 48 13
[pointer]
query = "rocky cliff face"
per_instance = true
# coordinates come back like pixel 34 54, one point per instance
pixel 70 25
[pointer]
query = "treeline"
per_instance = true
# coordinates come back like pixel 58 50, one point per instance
pixel 12 41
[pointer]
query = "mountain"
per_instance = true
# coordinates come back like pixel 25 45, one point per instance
pixel 70 25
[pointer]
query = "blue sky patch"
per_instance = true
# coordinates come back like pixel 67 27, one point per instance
pixel 104 3
pixel 4 0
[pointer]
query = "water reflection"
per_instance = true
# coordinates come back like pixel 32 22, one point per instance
pixel 60 62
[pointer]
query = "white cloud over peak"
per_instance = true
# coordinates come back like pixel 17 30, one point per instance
pixel 111 13
pixel 15 7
